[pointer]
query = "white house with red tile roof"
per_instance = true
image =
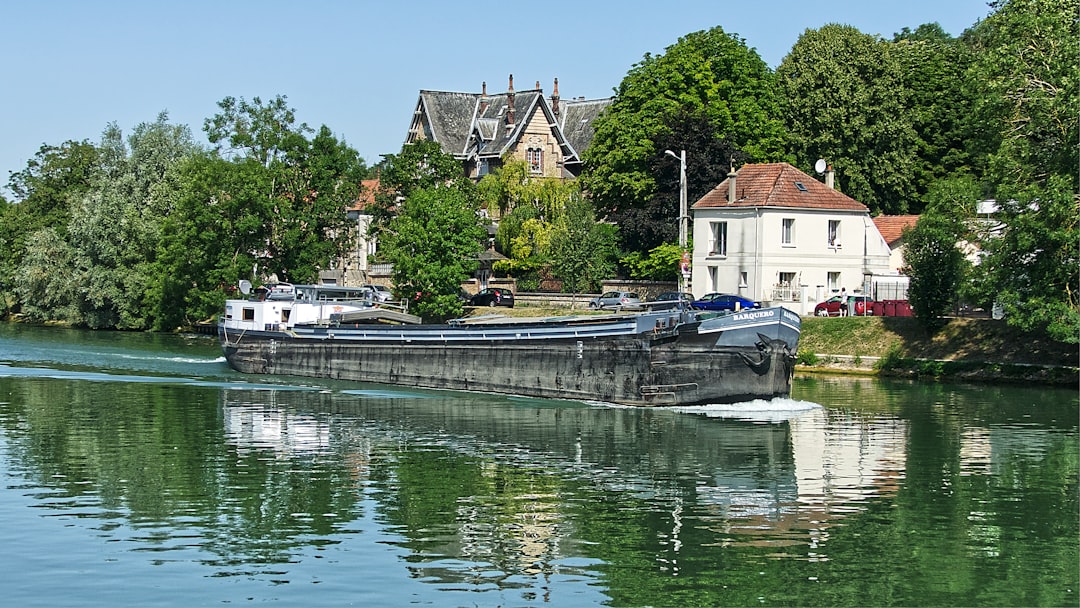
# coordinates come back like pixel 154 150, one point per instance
pixel 775 234
pixel 892 229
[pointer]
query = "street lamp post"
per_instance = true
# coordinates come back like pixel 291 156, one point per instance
pixel 683 215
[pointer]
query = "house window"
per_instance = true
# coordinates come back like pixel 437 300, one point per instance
pixel 787 231
pixel 742 280
pixel 713 279
pixel 535 158
pixel 834 233
pixel 787 278
pixel 718 238
pixel 833 281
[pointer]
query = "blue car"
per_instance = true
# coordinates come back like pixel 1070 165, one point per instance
pixel 723 301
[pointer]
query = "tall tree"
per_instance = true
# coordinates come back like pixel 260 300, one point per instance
pixel 116 226
pixel 433 243
pixel 1034 261
pixel 709 74
pixel 309 183
pixel 42 194
pixel 583 250
pixel 1027 69
pixel 419 166
pixel 845 102
pixel 935 265
pixel 709 159
pixel 216 235
pixel 939 104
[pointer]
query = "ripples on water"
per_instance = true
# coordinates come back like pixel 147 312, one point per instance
pixel 140 470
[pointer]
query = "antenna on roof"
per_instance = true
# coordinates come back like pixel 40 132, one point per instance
pixel 820 166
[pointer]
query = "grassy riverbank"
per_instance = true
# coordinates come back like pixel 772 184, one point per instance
pixel 965 349
pixel 981 350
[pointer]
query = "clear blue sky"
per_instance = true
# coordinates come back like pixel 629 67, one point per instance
pixel 71 67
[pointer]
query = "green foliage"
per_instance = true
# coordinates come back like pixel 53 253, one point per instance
pixel 1027 73
pixel 939 104
pixel 47 293
pixel 220 222
pixel 935 266
pixel 419 166
pixel 512 187
pixel 708 74
pixel 433 244
pixel 709 159
pixel 662 263
pixel 1034 262
pixel 846 102
pixel 42 191
pixel 583 251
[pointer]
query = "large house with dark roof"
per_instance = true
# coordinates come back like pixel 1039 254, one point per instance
pixel 775 234
pixel 481 129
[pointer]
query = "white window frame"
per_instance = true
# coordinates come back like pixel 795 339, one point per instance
pixel 832 283
pixel 535 158
pixel 833 234
pixel 787 232
pixel 718 242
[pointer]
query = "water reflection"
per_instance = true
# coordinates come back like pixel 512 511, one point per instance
pixel 853 492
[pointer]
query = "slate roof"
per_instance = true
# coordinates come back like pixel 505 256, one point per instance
pixel 778 185
pixel 892 227
pixel 476 124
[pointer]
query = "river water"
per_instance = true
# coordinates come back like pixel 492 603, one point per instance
pixel 138 470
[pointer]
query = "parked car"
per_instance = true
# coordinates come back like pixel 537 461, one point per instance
pixel 723 301
pixel 837 306
pixel 671 299
pixel 616 299
pixel 380 293
pixel 493 296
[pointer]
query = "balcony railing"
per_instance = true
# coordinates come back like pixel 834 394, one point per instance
pixel 786 293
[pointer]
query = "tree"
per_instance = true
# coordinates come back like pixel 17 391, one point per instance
pixel 1027 68
pixel 662 263
pixel 845 102
pixel 433 244
pixel 708 74
pixel 115 227
pixel 935 267
pixel 939 105
pixel 709 159
pixel 419 166
pixel 309 184
pixel 42 192
pixel 219 227
pixel 583 250
pixel 1034 263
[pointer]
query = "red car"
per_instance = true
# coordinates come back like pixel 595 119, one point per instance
pixel 837 306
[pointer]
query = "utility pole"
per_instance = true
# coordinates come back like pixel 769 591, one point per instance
pixel 684 216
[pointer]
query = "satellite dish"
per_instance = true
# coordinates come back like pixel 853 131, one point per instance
pixel 245 286
pixel 820 165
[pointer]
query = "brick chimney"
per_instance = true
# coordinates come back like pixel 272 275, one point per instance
pixel 555 99
pixel 510 103
pixel 731 184
pixel 829 177
pixel 483 97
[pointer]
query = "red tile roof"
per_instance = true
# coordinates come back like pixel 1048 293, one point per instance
pixel 776 185
pixel 892 226
pixel 368 187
